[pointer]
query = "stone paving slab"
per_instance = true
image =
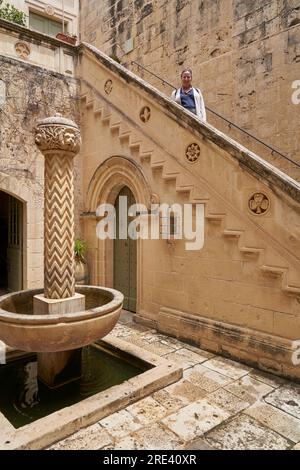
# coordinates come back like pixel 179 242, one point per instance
pixel 244 433
pixel 218 404
pixel 156 437
pixel 275 419
pixel 152 346
pixel 267 378
pixel 249 389
pixel 169 401
pixel 120 424
pixel 147 410
pixel 196 419
pixel 199 444
pixel 169 341
pixel 186 391
pixel 92 438
pixel 227 401
pixel 126 443
pixel 286 398
pixel 205 378
pixel 231 369
pixel 187 358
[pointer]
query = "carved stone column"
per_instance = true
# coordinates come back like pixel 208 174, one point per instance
pixel 59 140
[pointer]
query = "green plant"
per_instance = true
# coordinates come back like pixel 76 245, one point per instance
pixel 79 250
pixel 10 13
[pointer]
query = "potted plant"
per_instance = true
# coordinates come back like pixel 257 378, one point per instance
pixel 66 37
pixel 81 267
pixel 10 13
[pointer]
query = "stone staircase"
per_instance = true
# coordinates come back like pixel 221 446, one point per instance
pixel 271 262
pixel 239 296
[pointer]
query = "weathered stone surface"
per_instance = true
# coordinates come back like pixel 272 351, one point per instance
pixel 286 398
pixel 156 437
pixel 92 438
pixel 266 378
pixel 32 93
pixel 231 369
pixel 244 433
pixel 187 358
pixel 196 426
pixel 147 410
pixel 195 419
pixel 186 391
pixel 241 57
pixel 125 443
pixel 275 419
pixel 227 401
pixel 120 424
pixel 153 346
pixel 198 444
pixel 168 400
pixel 172 342
pixel 249 389
pixel 223 298
pixel 205 378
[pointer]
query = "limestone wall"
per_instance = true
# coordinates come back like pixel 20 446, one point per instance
pixel 239 294
pixel 28 93
pixel 244 55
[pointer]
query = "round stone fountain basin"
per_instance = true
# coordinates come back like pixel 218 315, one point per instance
pixel 21 329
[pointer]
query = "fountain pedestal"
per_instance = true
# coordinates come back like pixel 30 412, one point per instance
pixel 58 368
pixel 44 306
pixel 58 322
pixel 59 140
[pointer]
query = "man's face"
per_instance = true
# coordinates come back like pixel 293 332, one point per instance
pixel 186 80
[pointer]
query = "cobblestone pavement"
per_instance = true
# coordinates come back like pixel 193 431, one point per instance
pixel 218 404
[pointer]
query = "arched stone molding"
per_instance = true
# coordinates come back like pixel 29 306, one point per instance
pixel 33 234
pixel 16 188
pixel 106 183
pixel 111 176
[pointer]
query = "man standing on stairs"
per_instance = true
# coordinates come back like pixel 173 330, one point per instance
pixel 189 97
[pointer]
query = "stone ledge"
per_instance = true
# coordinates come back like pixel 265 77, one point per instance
pixel 266 352
pixel 29 34
pixel 39 69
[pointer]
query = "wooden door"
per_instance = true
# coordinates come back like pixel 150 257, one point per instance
pixel 125 259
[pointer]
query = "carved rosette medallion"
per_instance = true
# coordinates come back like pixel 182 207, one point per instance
pixel 145 114
pixel 49 10
pixel 59 140
pixel 259 203
pixel 108 86
pixel 22 49
pixel 193 153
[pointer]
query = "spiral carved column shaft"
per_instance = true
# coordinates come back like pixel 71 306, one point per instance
pixel 59 141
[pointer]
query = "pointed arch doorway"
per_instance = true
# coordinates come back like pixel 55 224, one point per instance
pixel 125 257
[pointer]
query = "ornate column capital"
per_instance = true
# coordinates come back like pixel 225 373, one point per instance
pixel 59 135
